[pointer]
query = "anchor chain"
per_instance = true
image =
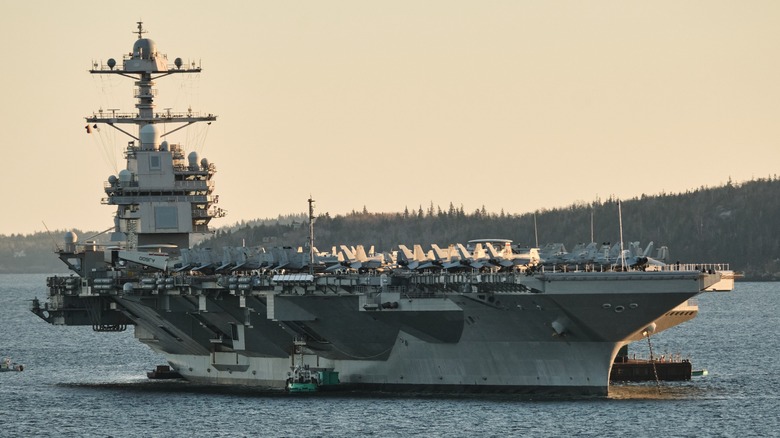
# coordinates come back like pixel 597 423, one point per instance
pixel 652 361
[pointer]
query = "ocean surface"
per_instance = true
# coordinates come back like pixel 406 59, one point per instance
pixel 81 383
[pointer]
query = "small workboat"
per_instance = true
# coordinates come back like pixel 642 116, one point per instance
pixel 7 365
pixel 163 372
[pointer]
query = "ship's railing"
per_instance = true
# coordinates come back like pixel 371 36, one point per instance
pixel 675 267
pixel 202 199
pixel 186 169
pixel 703 267
pixel 104 116
pixel 447 278
pixel 118 185
pixel 194 185
pixel 177 185
pixel 114 115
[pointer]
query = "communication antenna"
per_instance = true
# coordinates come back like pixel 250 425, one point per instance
pixel 99 234
pixel 536 233
pixel 311 235
pixel 620 220
pixel 140 30
pixel 591 225
pixel 52 237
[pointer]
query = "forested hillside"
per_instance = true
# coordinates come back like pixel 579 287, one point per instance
pixel 735 224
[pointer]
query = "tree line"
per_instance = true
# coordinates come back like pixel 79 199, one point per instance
pixel 733 223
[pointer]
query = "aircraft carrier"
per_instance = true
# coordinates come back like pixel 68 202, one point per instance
pixel 471 318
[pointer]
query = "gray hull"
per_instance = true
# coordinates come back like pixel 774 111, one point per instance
pixel 553 333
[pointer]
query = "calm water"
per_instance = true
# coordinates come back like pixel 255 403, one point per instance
pixel 81 383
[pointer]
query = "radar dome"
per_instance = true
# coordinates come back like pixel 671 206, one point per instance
pixel 71 237
pixel 178 62
pixel 112 179
pixel 150 138
pixel 70 241
pixel 192 158
pixel 204 163
pixel 125 176
pixel 144 48
pixel 164 145
pixel 111 63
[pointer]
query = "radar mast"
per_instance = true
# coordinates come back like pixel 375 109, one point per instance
pixel 161 198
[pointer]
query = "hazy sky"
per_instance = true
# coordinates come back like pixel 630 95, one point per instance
pixel 520 105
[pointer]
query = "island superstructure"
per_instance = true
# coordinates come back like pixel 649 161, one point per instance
pixel 469 318
pixel 160 197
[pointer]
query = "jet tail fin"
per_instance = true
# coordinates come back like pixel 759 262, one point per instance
pixel 663 254
pixel 360 254
pixel 439 253
pixel 463 252
pixel 491 250
pixel 419 254
pixel 406 253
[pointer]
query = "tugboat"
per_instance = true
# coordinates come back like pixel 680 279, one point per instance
pixel 302 378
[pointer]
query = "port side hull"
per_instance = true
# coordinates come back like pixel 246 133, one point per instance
pixel 562 342
pixel 505 367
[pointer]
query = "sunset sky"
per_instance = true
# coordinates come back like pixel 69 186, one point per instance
pixel 514 105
